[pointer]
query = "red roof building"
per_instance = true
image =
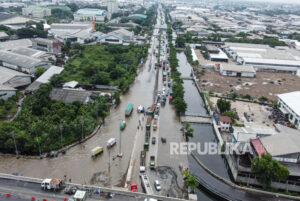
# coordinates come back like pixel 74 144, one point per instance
pixel 258 147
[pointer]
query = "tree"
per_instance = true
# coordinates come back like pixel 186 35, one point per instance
pixel 223 105
pixel 268 169
pixel 192 182
pixel 116 97
pixel 188 130
pixel 180 41
pixel 263 99
pixel 180 105
pixel 39 71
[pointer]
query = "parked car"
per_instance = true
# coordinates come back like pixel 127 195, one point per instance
pixel 163 139
pixel 157 185
pixel 153 140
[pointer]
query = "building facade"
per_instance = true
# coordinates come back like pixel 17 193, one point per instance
pixel 112 7
pixel 289 105
pixel 48 45
pixel 90 14
pixel 36 12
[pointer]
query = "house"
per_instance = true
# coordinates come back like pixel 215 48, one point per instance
pixel 237 70
pixel 90 14
pixel 225 123
pixel 10 81
pixel 20 62
pixel 119 36
pixel 49 45
pixel 289 104
pixel 71 95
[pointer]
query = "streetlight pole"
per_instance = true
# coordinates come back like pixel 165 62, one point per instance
pixel 13 136
pixel 120 141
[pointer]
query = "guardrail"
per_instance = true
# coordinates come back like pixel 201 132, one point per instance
pixel 88 187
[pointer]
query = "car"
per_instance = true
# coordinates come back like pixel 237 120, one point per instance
pixel 156 117
pixel 163 139
pixel 153 140
pixel 163 88
pixel 157 185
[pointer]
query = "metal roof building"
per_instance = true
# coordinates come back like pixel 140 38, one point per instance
pixel 71 95
pixel 20 62
pixel 44 78
pixel 12 44
pixel 283 147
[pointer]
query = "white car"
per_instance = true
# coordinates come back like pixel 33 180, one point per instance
pixel 164 89
pixel 157 185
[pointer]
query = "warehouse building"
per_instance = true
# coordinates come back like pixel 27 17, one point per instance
pixel 10 81
pixel 71 95
pixel 48 45
pixel 289 105
pixel 36 11
pixel 120 36
pixel 237 70
pixel 77 32
pixel 264 57
pixel 21 62
pixel 218 56
pixel 90 14
pixel 12 44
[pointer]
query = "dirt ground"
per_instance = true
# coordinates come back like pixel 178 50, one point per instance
pixel 267 84
pixel 258 113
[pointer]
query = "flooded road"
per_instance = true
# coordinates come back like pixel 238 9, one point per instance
pixel 77 163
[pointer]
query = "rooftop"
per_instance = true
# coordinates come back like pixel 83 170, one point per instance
pixel 282 144
pixel 237 68
pixel 19 60
pixel 29 52
pixel 8 45
pixel 225 119
pixel 70 95
pixel 91 11
pixel 7 74
pixel 45 77
pixel 138 16
pixel 258 147
pixel 292 100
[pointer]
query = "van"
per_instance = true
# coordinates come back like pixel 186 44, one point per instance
pixel 111 142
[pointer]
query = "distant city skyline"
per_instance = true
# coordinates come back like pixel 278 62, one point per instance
pixel 278 1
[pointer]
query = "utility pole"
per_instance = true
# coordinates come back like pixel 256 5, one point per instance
pixel 13 136
pixel 120 141
pixel 82 128
pixel 61 129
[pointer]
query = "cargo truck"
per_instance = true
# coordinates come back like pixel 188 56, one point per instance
pixel 96 151
pixel 143 162
pixel 151 110
pixel 148 123
pixel 52 184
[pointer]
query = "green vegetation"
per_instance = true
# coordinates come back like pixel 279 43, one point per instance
pixel 113 65
pixel 6 29
pixel 268 169
pixel 9 108
pixel 58 14
pixel 188 130
pixel 30 32
pixel 190 180
pixel 41 118
pixel 223 105
pixel 39 71
pixel 272 42
pixel 178 89
pixel 180 42
pixel 103 28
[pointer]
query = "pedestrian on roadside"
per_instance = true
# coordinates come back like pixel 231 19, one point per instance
pixel 70 180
